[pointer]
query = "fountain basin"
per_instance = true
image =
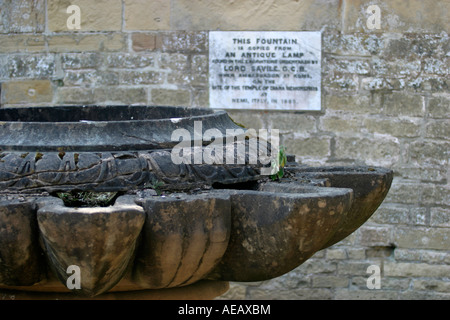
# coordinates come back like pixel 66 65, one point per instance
pixel 170 225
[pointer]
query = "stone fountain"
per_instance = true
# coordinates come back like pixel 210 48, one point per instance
pixel 162 229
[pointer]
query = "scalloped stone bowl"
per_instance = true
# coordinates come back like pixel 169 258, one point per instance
pixel 202 224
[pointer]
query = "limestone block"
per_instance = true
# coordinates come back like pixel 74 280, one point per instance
pixel 118 95
pixel 318 147
pixel 398 16
pixel 22 43
pixel 31 91
pixel 397 128
pixel 86 42
pixel 143 42
pixel 164 97
pixel 280 15
pixel 69 95
pixel 147 15
pixel 422 238
pixel 31 66
pixel 142 77
pixel 399 269
pixel 22 16
pixel 386 151
pixel 99 15
pixel 89 60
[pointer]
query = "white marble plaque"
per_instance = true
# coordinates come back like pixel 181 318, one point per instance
pixel 267 70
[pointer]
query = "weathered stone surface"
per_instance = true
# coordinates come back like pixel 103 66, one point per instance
pixel 32 91
pixel 183 42
pixel 154 15
pixel 95 79
pixel 150 127
pixel 439 129
pixel 397 16
pixel 370 186
pixel 439 107
pixel 337 83
pixel 86 79
pixel 142 78
pixel 4 16
pixel 74 95
pixel 400 128
pixel 95 133
pixel 386 152
pixel 430 152
pixel 310 147
pixel 163 97
pixel 100 241
pixel 289 294
pixel 30 66
pixel 100 15
pixel 120 96
pixel 433 285
pixel 375 236
pixel 355 104
pixel 88 60
pixel 353 44
pixel 389 66
pixel 440 217
pixel 336 254
pixel 111 171
pixel 348 294
pixel 22 43
pixel 379 87
pixel 21 263
pixel 403 104
pixel 27 16
pixel 129 60
pixel 340 125
pixel 183 239
pixel 143 42
pixel 202 290
pixel 422 238
pixel 245 15
pixel 107 42
pixel 200 98
pixel 230 232
pixel 416 269
pixel 254 120
pixel 306 221
pixel 330 282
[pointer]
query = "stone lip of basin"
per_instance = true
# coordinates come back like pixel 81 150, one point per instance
pixel 370 186
pixel 213 222
pixel 111 148
pixel 101 128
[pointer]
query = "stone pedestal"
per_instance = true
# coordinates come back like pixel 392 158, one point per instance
pixel 202 290
pixel 172 230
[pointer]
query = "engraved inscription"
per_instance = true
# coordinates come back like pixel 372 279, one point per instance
pixel 265 70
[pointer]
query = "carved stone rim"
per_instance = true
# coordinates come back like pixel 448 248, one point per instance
pixel 101 128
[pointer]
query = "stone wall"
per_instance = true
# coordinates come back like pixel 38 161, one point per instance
pixel 385 101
